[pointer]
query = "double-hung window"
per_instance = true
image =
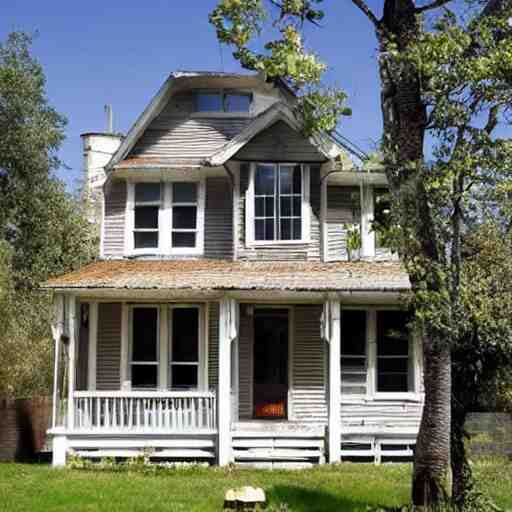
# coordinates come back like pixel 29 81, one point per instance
pixel 146 215
pixel 184 205
pixel 394 361
pixel 184 360
pixel 144 347
pixel 278 202
pixel 353 352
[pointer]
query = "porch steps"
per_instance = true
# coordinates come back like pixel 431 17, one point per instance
pixel 288 446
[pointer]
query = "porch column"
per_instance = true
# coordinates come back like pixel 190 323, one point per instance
pixel 57 329
pixel 367 212
pixel 332 335
pixel 228 331
pixel 72 345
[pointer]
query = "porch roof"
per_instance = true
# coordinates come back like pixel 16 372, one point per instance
pixel 235 275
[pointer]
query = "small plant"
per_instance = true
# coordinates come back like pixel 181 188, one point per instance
pixel 353 237
pixel 76 462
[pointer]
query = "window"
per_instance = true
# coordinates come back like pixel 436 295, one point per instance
pixel 218 101
pixel 144 350
pixel 146 212
pixel 184 215
pixel 184 349
pixel 381 216
pixel 353 352
pixel 393 362
pixel 278 202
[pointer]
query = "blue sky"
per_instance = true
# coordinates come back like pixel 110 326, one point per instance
pixel 116 52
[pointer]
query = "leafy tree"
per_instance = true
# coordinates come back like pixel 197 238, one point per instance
pixel 447 82
pixel 43 230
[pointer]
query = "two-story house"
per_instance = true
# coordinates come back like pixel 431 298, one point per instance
pixel 224 320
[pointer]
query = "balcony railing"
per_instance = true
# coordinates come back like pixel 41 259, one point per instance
pixel 173 412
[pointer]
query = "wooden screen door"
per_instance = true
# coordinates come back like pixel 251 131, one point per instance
pixel 270 393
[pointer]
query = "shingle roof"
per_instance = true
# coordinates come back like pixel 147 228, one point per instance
pixel 236 275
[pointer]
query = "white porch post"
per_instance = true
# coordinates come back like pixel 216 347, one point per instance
pixel 57 328
pixel 367 212
pixel 72 360
pixel 228 328
pixel 332 334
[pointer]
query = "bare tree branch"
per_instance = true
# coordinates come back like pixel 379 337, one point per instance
pixel 361 4
pixel 433 5
pixel 492 120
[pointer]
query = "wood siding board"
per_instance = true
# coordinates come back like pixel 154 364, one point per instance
pixel 109 347
pixel 213 345
pixel 245 366
pixel 279 143
pixel 218 239
pixel 115 206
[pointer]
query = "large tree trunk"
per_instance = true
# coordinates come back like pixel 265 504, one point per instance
pixel 404 116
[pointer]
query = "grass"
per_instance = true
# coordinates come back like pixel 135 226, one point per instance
pixel 345 488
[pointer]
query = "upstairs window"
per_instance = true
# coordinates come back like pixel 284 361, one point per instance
pixel 278 192
pixel 184 215
pixel 219 101
pixel 394 364
pixel 146 213
pixel 353 352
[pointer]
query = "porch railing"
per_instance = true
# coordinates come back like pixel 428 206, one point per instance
pixel 145 411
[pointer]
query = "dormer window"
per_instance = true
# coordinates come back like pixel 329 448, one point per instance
pixel 223 101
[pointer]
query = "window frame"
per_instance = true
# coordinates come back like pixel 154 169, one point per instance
pixel 165 218
pixel 131 362
pixel 250 214
pixel 146 204
pixel 223 93
pixel 202 377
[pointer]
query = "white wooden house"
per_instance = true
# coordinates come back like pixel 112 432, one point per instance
pixel 224 320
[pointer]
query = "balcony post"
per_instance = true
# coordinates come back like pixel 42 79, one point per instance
pixel 228 331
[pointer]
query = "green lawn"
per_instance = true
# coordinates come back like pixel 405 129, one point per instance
pixel 344 488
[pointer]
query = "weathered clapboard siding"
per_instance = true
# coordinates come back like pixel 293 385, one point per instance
pixel 114 221
pixel 281 252
pixel 309 401
pixel 218 235
pixel 342 208
pixel 380 414
pixel 108 356
pixel 245 350
pixel 279 143
pixel 213 345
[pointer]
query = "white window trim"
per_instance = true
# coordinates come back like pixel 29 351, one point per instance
pixel 250 240
pixel 202 364
pixel 131 362
pixel 165 220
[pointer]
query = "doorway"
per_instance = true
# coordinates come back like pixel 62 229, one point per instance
pixel 270 392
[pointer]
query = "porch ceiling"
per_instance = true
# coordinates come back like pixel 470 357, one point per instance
pixel 221 275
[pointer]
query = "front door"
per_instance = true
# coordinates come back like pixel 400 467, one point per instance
pixel 270 363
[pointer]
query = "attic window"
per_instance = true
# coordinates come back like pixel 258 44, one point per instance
pixel 218 101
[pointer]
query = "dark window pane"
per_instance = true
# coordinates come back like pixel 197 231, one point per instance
pixel 286 206
pixel 147 192
pixel 269 230
pixel 146 217
pixel 260 230
pixel 145 240
pixel 393 365
pixel 237 102
pixel 269 207
pixel 297 207
pixel 144 376
pixel 392 335
pixel 353 333
pixel 184 192
pixel 356 363
pixel 208 102
pixel 264 183
pixel 145 328
pixel 297 229
pixel 286 229
pixel 260 206
pixel 297 180
pixel 285 180
pixel 185 335
pixel 183 239
pixel 184 217
pixel 392 383
pixel 184 376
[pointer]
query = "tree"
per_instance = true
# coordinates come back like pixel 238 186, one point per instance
pixel 448 82
pixel 43 229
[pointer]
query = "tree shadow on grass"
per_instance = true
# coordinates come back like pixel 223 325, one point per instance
pixel 304 499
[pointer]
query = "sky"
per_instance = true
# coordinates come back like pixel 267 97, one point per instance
pixel 111 52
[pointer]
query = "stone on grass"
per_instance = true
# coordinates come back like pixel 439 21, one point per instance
pixel 244 498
